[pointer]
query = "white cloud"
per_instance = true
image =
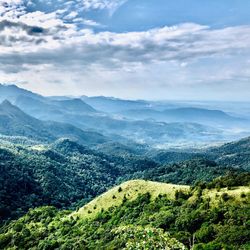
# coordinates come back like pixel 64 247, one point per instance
pixel 111 5
pixel 182 42
pixel 56 47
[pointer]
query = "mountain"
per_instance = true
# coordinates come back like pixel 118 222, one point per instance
pixel 14 122
pixel 66 174
pixel 48 108
pixel 63 174
pixel 60 174
pixel 37 105
pixel 147 124
pixel 141 215
pixel 74 105
pixel 233 154
pixel 11 92
pixel 113 105
pixel 79 114
pixel 187 114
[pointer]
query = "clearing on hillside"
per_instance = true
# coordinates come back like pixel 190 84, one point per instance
pixel 129 190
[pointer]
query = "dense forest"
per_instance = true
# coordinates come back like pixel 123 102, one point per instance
pixel 66 174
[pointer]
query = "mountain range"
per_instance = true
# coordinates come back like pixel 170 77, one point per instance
pixel 138 121
pixel 14 122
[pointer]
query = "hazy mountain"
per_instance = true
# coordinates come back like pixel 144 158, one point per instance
pixel 138 121
pixel 113 105
pixel 14 122
pixel 74 105
pixel 37 104
pixel 48 108
pixel 187 114
pixel 11 93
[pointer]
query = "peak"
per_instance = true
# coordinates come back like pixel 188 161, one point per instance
pixel 13 86
pixel 6 103
pixel 73 100
pixel 68 145
pixel 64 141
pixel 8 107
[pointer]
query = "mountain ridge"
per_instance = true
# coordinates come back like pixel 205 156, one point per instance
pixel 13 121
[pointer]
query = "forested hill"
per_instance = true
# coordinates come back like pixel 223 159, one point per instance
pixel 142 215
pixel 234 154
pixel 66 174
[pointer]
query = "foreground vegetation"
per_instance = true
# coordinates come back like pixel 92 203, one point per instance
pixel 66 174
pixel 197 218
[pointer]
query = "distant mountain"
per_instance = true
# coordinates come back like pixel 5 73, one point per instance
pixel 113 105
pixel 77 113
pixel 49 108
pixel 38 105
pixel 14 122
pixel 187 114
pixel 11 93
pixel 125 121
pixel 74 105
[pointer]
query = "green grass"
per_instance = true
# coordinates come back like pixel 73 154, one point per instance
pixel 235 194
pixel 131 190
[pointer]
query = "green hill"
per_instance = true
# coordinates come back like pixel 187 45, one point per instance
pixel 129 190
pixel 234 154
pixel 153 216
pixel 66 174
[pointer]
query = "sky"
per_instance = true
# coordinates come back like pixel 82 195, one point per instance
pixel 136 49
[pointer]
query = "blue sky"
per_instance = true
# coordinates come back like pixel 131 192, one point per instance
pixel 151 49
pixel 141 14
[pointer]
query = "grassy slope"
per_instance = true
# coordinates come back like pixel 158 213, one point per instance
pixel 48 227
pixel 131 189
pixel 235 193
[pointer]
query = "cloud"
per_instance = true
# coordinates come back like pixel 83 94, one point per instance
pixel 48 38
pixel 60 45
pixel 111 5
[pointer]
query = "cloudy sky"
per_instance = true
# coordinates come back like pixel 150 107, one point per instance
pixel 148 49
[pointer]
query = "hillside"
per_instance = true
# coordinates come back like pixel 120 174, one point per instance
pixel 67 174
pixel 158 218
pixel 11 93
pixel 60 174
pixel 14 122
pixel 235 154
pixel 63 174
pixel 130 191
